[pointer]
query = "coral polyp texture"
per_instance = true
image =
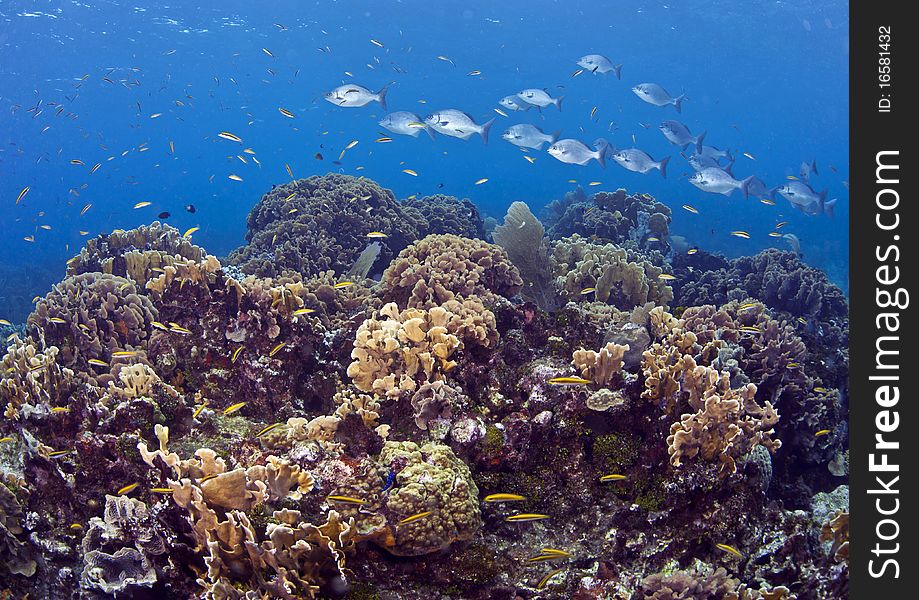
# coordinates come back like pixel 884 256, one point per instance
pixel 569 412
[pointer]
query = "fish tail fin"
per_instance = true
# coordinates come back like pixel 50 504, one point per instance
pixel 601 145
pixel 484 131
pixel 828 207
pixel 430 132
pixel 699 139
pixel 729 168
pixel 555 135
pixel 773 192
pixel 814 166
pixel 381 96
pixel 728 155
pixel 745 185
pixel 662 165
pixel 677 103
pixel 617 69
pixel 558 103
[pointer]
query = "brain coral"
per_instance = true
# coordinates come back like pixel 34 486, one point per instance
pixel 90 316
pixel 312 225
pixel 429 478
pixel 439 267
pixel 448 214
pixel 133 253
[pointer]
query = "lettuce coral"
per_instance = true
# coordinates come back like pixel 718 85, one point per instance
pixel 448 214
pixel 440 267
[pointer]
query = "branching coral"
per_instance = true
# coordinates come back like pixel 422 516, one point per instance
pixel 437 401
pixel 581 267
pixel 313 225
pixel 448 214
pixel 440 267
pixel 32 377
pixel 836 530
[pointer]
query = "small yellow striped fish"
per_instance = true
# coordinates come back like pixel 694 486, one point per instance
pixel 775 234
pixel 60 409
pixel 569 381
pixel 343 284
pixel 748 155
pixel 127 489
pixel 545 557
pixel 481 181
pixel 268 428
pixel 383 140
pixel 666 277
pixel 767 201
pixel 234 408
pixel 410 172
pixel 236 354
pixel 691 209
pixel 820 390
pixel 6 439
pixel 781 224
pixel 473 73
pixel 376 43
pixel 346 500
pixel 85 208
pixel 229 136
pixel 692 251
pixel 415 517
pixel 530 159
pixel 286 112
pixel 57 320
pixel 276 349
pixel 124 354
pixel 612 477
pixel 589 290
pixel 158 325
pixel 161 490
pixel 198 410
pixel 58 453
pixel 504 498
pixel 95 168
pixel 303 311
pixel 741 234
pixel 234 177
pixel 729 549
pixel 377 235
pixel 22 194
pixel 76 161
pixel 542 582
pixel 527 517
pixel 142 204
pixel 595 183
pixel 555 551
pixel 822 432
pixel 190 231
pixel 500 112
pixel 792 177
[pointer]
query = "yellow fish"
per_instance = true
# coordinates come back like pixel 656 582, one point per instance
pixel 569 381
pixel 85 208
pixel 473 73
pixel 527 517
pixel 729 549
pixel 666 277
pixel 190 231
pixel 410 172
pixel 589 290
pixel 58 453
pixel 741 234
pixel 234 408
pixel 377 235
pixel 383 140
pixel 346 500
pixel 542 582
pixel 142 204
pixel 161 490
pixel 767 201
pixel 124 354
pixel 692 251
pixel 276 349
pixel 343 284
pixel 415 517
pixel 95 168
pixel 198 410
pixel 286 112
pixel 127 489
pixel 303 311
pixel 22 194
pixel 822 432
pixel 504 498
pixel 612 477
pixel 6 439
pixel 235 177
pixel 265 430
pixel 530 159
pixel 236 354
pixel 481 181
pixel 60 409
pixel 595 183
pixel 691 209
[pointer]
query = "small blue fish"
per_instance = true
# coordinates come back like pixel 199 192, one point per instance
pixel 390 481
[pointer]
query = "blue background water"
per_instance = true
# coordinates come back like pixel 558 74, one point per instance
pixel 767 78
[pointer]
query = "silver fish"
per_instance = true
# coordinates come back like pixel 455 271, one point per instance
pixel 353 95
pixel 540 98
pixel 678 133
pixel 639 161
pixel 597 63
pixel 658 96
pixel 718 181
pixel 794 242
pixel 712 152
pixel 528 136
pixel 458 124
pixel 405 123
pixel 804 198
pixel 574 152
pixel 514 103
pixel 700 161
pixel 807 169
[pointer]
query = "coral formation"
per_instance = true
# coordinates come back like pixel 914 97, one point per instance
pixel 448 214
pixel 440 267
pixel 321 223
pixel 522 237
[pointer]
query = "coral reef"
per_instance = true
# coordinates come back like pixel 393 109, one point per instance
pixel 526 419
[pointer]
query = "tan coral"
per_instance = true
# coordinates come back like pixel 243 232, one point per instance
pixel 600 367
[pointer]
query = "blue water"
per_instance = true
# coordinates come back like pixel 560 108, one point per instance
pixel 769 79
